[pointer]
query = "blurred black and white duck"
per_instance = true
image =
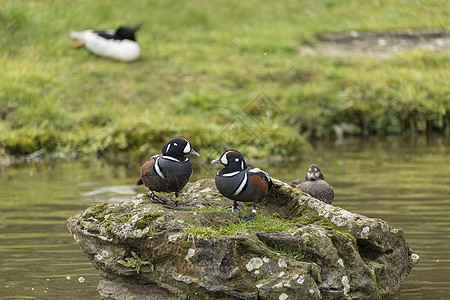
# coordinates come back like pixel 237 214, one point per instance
pixel 117 44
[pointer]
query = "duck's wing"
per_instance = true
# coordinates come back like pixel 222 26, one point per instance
pixel 264 175
pixel 297 182
pixel 107 34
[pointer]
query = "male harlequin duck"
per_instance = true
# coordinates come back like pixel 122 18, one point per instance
pixel 315 185
pixel 117 44
pixel 168 172
pixel 241 182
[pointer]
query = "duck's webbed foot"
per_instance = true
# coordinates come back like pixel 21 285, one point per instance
pixel 234 208
pixel 250 218
pixel 156 199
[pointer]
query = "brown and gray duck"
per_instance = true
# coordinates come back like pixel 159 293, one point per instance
pixel 315 185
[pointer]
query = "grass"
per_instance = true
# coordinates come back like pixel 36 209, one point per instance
pixel 261 223
pixel 203 70
pixel 135 262
pixel 295 255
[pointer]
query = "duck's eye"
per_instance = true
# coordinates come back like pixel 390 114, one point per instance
pixel 236 159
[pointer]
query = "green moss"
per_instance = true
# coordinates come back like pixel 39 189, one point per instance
pixel 311 220
pixel 327 224
pixel 186 244
pixel 141 224
pixel 97 212
pixel 338 229
pixel 100 207
pixel 124 218
pixel 294 208
pixel 147 220
pixel 352 237
pixel 109 228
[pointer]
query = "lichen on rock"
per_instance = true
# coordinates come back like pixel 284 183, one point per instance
pixel 296 248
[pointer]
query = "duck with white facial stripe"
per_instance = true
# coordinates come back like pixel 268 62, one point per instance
pixel 315 185
pixel 241 182
pixel 169 171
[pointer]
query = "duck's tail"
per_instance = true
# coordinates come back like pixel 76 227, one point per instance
pixel 78 35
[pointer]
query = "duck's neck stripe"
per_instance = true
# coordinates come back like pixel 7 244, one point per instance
pixel 158 169
pixel 172 158
pixel 241 186
pixel 231 174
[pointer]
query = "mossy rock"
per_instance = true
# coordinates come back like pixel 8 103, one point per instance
pixel 296 248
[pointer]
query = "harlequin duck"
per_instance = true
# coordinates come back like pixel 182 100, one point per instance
pixel 241 182
pixel 315 185
pixel 168 172
pixel 117 44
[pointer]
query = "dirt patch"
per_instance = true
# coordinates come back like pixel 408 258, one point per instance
pixel 380 44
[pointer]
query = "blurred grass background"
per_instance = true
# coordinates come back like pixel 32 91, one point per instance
pixel 221 73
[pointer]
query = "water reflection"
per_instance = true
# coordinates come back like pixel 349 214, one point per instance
pixel 403 181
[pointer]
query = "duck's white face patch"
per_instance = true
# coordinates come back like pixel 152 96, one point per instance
pixel 317 174
pixel 187 149
pixel 224 159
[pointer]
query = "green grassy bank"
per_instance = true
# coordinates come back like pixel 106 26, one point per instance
pixel 224 74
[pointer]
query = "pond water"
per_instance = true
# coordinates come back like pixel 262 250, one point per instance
pixel 402 181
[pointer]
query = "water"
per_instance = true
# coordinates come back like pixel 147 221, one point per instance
pixel 405 182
